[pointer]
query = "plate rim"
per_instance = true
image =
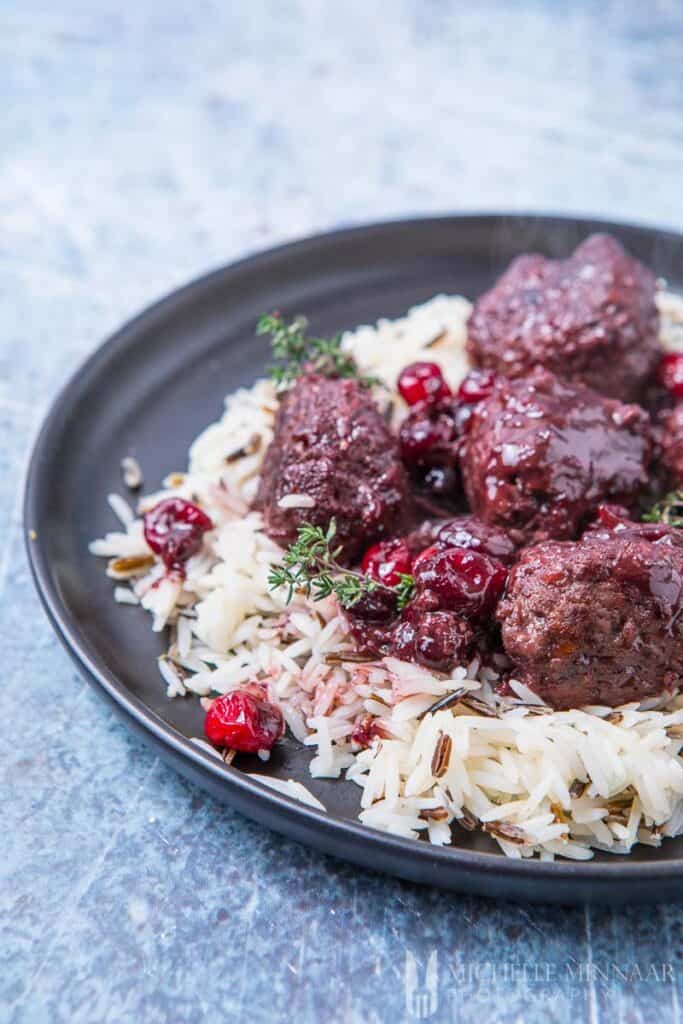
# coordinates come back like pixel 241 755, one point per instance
pixel 136 713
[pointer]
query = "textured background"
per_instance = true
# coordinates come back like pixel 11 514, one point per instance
pixel 140 145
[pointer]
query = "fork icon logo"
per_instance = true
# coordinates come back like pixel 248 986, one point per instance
pixel 422 998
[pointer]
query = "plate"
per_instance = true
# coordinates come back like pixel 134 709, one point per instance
pixel 154 385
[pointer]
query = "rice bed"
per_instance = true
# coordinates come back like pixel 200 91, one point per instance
pixel 540 782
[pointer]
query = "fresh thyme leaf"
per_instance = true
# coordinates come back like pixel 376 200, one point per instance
pixel 404 590
pixel 302 354
pixel 310 566
pixel 669 510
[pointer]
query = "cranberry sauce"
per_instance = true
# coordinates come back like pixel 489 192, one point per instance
pixel 431 435
pixel 468 532
pixel 458 582
pixel 645 558
pixel 613 519
pixel 541 454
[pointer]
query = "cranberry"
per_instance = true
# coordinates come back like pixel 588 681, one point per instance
pixel 418 436
pixel 470 532
pixel 442 640
pixel 422 382
pixel 387 561
pixel 461 580
pixel 174 529
pixel 243 722
pixel 462 417
pixel 441 481
pixel 375 606
pixel 429 435
pixel 670 373
pixel 613 517
pixel 438 639
pixel 425 555
pixel 477 385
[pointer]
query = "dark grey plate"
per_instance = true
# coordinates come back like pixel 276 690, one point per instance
pixel 153 386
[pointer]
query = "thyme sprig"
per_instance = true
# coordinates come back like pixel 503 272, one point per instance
pixel 669 510
pixel 300 353
pixel 311 565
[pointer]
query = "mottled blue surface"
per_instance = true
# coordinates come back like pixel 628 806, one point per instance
pixel 140 145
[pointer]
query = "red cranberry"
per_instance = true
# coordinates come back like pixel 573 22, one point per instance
pixel 670 373
pixel 470 532
pixel 174 529
pixel 387 561
pixel 429 435
pixel 417 438
pixel 422 382
pixel 243 722
pixel 425 555
pixel 441 481
pixel 477 385
pixel 461 580
pixel 376 606
pixel 437 639
pixel 613 517
pixel 462 417
pixel 442 640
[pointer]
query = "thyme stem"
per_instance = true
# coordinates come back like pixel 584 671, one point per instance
pixel 669 510
pixel 311 565
pixel 300 354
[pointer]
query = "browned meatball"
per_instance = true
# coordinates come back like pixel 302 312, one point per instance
pixel 597 621
pixel 333 447
pixel 672 445
pixel 591 318
pixel 541 454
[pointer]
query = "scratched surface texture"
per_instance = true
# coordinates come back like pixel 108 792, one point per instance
pixel 140 145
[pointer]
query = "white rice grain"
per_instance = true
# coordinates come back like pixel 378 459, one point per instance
pixel 290 788
pixel 121 509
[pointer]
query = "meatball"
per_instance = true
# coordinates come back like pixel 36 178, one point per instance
pixel 597 621
pixel 591 318
pixel 333 449
pixel 541 454
pixel 672 445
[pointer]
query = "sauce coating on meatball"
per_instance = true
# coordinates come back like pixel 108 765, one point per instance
pixel 541 454
pixel 597 621
pixel 590 318
pixel 332 457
